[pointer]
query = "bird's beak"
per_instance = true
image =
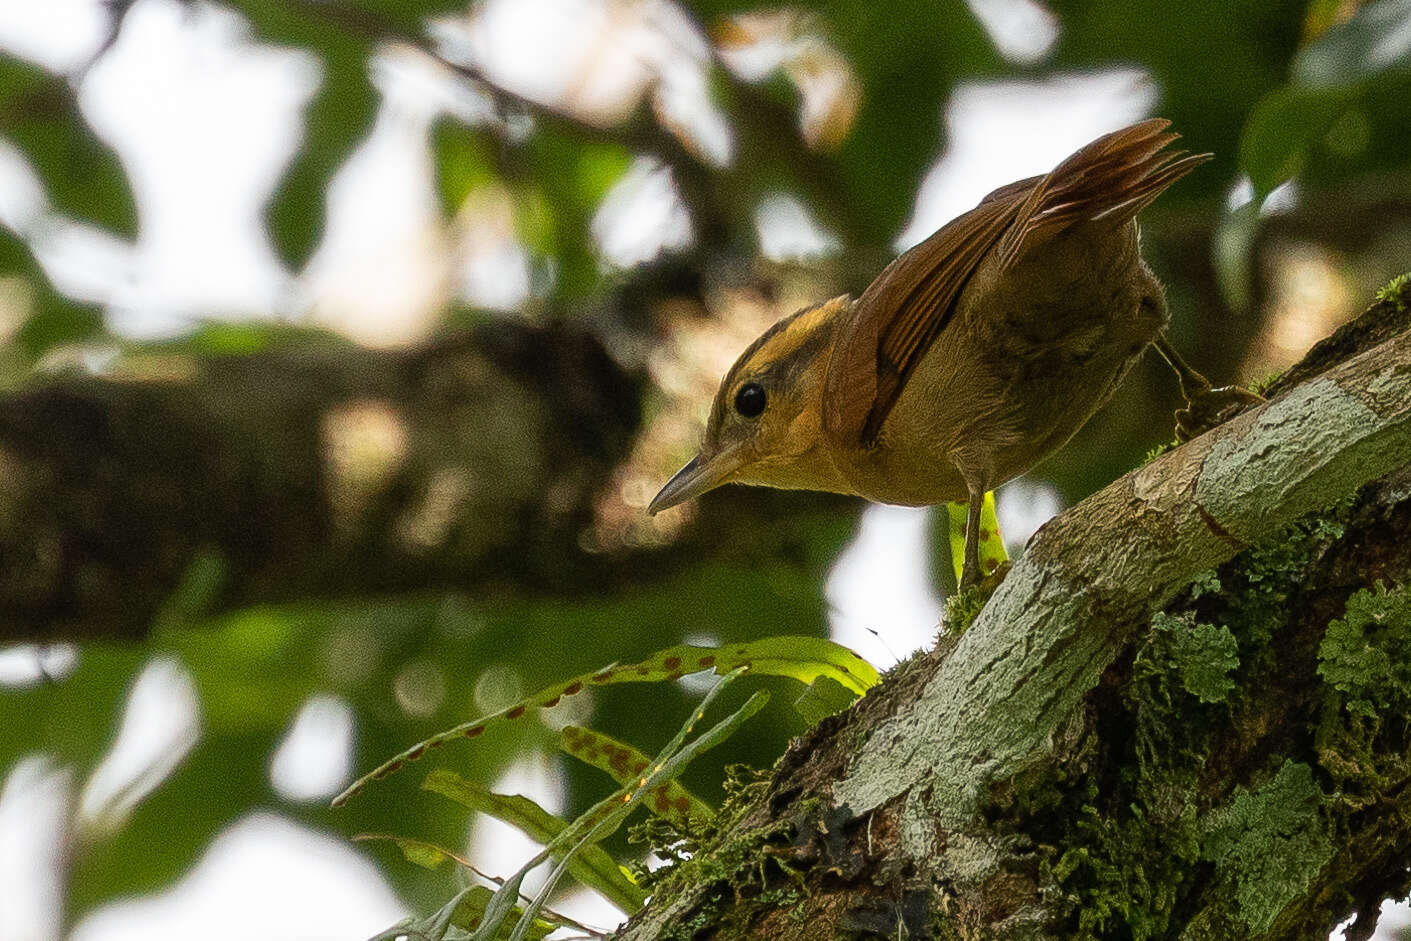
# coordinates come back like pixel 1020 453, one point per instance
pixel 699 475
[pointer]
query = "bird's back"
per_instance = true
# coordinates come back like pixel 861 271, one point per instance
pixel 987 346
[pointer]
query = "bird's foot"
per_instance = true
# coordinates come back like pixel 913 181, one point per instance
pixel 1210 407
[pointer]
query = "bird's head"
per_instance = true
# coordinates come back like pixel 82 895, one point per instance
pixel 765 426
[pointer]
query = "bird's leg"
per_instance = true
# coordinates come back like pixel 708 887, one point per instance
pixel 1206 407
pixel 1193 384
pixel 970 572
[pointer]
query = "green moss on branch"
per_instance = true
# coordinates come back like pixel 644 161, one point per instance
pixel 1205 799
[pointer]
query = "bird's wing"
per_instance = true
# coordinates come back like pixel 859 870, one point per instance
pixel 897 318
pixel 902 312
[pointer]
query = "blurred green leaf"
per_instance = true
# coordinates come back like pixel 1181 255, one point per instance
pixel 82 177
pixel 195 594
pixel 1283 126
pixel 52 320
pixel 1176 43
pixel 73 718
pixel 463 162
pixel 344 37
pixel 1376 41
pixel 1230 253
pixel 214 786
pixel 399 16
pixel 591 866
pixel 1329 76
pixel 908 56
pixel 55 322
pixel 221 338
pixel 336 120
pixel 247 668
pixel 556 203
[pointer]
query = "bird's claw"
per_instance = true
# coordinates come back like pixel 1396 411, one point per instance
pixel 1211 407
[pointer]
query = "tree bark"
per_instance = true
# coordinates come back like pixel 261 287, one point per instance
pixel 1181 715
pixel 310 468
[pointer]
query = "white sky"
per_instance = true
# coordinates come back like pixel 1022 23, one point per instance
pixel 204 119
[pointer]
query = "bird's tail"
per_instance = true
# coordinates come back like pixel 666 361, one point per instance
pixel 1113 178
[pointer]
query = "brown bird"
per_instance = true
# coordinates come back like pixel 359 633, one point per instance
pixel 970 358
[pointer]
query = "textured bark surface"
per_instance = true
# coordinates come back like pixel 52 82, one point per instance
pixel 1179 716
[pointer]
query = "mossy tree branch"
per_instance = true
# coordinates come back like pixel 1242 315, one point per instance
pixel 1060 617
pixel 1181 715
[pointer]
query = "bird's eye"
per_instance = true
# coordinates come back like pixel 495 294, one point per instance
pixel 749 401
